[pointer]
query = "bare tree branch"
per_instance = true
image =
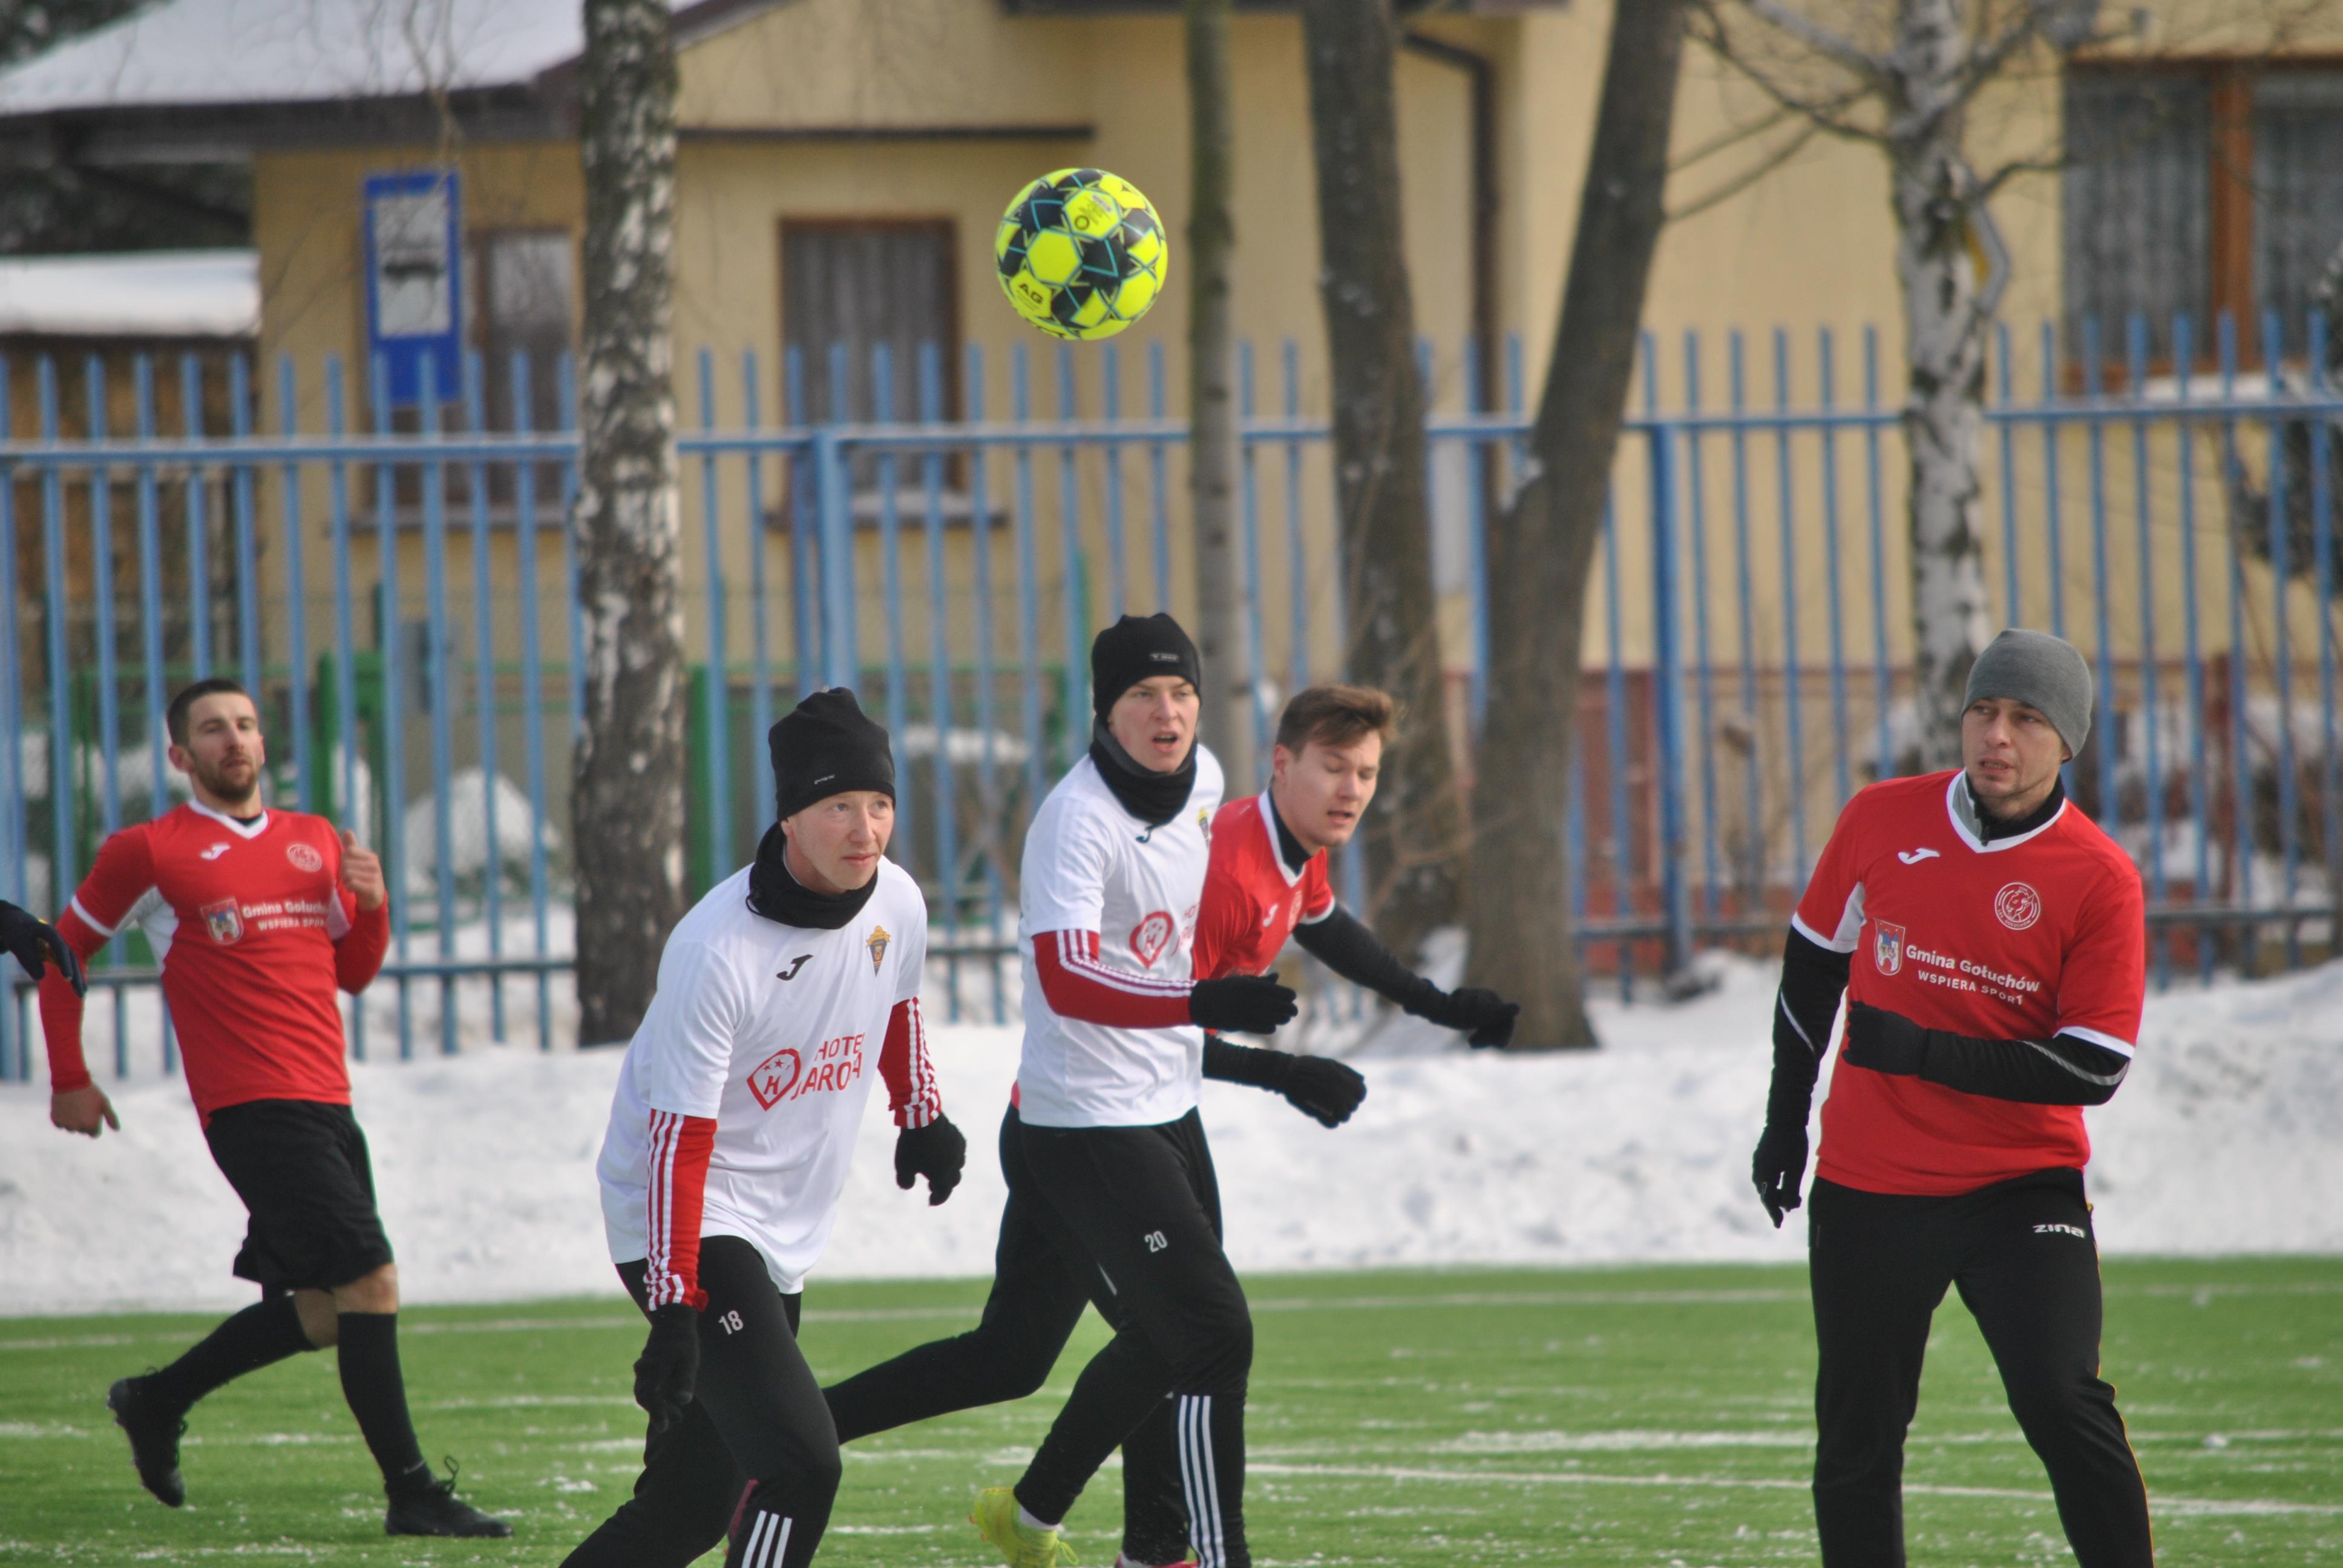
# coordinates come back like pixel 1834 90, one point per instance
pixel 1824 112
pixel 1724 141
pixel 1750 175
pixel 1990 187
pixel 1833 46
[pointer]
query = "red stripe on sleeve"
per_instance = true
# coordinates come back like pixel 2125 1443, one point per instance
pixel 903 1062
pixel 1077 985
pixel 680 1147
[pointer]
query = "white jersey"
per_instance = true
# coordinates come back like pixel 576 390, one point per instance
pixel 1092 866
pixel 772 1031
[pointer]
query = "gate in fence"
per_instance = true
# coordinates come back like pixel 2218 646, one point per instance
pixel 399 590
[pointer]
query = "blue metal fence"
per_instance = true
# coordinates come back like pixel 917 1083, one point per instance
pixel 1745 667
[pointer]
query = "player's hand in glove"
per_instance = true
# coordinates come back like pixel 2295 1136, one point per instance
pixel 668 1369
pixel 1884 1042
pixel 1241 1004
pixel 1777 1167
pixel 1485 1018
pixel 34 942
pixel 1323 1088
pixel 1318 1086
pixel 936 1152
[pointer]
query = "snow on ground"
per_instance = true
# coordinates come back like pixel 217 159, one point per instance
pixel 2229 1138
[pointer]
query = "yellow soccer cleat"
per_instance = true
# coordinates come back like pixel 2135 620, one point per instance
pixel 1019 1545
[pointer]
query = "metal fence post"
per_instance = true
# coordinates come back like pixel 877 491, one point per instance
pixel 1667 720
pixel 834 504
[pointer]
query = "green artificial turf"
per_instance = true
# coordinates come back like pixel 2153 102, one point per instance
pixel 1646 1416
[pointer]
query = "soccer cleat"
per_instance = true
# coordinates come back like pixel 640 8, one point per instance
pixel 432 1508
pixel 1019 1545
pixel 154 1431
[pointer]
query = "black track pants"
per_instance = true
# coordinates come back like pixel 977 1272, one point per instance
pixel 2023 1257
pixel 754 1455
pixel 1143 1205
pixel 1040 1284
pixel 1041 1280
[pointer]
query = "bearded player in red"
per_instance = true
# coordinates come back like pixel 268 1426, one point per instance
pixel 257 918
pixel 1992 945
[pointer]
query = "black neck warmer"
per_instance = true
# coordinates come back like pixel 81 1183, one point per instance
pixel 1153 798
pixel 1990 826
pixel 1288 848
pixel 776 894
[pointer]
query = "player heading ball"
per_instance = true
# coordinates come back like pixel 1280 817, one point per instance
pixel 729 1140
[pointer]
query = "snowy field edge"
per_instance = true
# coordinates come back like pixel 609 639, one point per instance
pixel 2226 1141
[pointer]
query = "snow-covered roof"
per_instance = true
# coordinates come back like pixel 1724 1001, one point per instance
pixel 140 294
pixel 210 52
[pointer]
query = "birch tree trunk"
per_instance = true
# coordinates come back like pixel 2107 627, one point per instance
pixel 1542 547
pixel 1938 223
pixel 1382 495
pixel 1228 714
pixel 629 762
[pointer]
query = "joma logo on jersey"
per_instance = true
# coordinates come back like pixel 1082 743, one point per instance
pixel 223 920
pixel 784 1075
pixel 1887 949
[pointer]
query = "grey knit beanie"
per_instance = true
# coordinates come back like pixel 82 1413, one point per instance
pixel 2046 673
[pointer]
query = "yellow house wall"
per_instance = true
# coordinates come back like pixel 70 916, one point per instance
pixel 1807 248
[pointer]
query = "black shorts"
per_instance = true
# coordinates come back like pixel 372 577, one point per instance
pixel 301 1169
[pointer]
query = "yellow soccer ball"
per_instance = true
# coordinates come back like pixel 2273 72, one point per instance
pixel 1081 254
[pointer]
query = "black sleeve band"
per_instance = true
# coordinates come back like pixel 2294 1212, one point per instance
pixel 1343 945
pixel 2064 1070
pixel 1814 978
pixel 1233 1063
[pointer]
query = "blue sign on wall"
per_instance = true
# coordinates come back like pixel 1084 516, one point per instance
pixel 414 281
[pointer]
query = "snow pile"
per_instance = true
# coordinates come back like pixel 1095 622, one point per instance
pixel 145 294
pixel 2229 1138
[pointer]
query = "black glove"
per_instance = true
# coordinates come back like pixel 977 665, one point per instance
pixel 1884 1042
pixel 35 942
pixel 936 1152
pixel 1244 1004
pixel 1486 1018
pixel 1318 1086
pixel 669 1368
pixel 1777 1167
pixel 1323 1088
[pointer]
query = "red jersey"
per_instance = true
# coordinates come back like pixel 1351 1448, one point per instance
pixel 254 932
pixel 2022 937
pixel 1253 899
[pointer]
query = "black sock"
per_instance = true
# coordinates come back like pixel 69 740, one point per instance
pixel 377 1397
pixel 253 1339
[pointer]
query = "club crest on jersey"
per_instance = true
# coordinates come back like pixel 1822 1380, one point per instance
pixel 1204 821
pixel 305 858
pixel 771 1080
pixel 224 922
pixel 877 942
pixel 1887 948
pixel 1151 936
pixel 2016 906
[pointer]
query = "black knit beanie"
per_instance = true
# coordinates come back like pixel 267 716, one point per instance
pixel 827 746
pixel 1138 647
